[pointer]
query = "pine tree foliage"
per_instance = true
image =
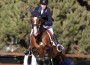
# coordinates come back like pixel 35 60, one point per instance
pixel 10 20
pixel 71 22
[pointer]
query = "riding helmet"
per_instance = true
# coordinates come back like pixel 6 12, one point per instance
pixel 44 2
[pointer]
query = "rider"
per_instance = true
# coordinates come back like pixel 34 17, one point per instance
pixel 44 12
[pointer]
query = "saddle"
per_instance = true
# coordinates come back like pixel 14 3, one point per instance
pixel 51 37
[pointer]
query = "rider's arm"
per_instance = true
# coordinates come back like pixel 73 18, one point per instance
pixel 49 15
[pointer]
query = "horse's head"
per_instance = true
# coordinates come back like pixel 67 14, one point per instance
pixel 36 24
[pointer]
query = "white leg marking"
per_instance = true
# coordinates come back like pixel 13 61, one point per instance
pixel 35 28
pixel 26 60
pixel 33 60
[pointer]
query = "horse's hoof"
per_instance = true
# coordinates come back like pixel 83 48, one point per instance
pixel 39 61
pixel 47 60
pixel 26 52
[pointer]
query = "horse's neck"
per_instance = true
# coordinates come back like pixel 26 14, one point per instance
pixel 38 38
pixel 41 31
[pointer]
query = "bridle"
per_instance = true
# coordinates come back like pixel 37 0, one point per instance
pixel 35 25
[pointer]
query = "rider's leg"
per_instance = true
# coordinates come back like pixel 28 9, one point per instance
pixel 55 41
pixel 52 39
pixel 59 46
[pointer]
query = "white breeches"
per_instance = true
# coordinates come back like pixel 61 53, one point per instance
pixel 50 28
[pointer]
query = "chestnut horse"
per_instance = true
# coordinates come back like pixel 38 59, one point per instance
pixel 40 44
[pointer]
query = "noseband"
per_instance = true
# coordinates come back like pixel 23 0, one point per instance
pixel 35 25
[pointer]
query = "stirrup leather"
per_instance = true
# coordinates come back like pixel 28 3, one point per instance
pixel 51 40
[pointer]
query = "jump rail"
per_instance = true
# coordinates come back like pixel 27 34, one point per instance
pixel 21 54
pixel 78 56
pixel 11 64
pixel 11 54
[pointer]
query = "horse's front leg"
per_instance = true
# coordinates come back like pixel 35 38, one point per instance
pixel 46 46
pixel 37 51
pixel 34 47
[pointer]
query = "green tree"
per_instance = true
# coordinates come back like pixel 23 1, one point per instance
pixel 71 22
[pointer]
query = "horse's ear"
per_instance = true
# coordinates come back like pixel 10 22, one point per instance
pixel 31 10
